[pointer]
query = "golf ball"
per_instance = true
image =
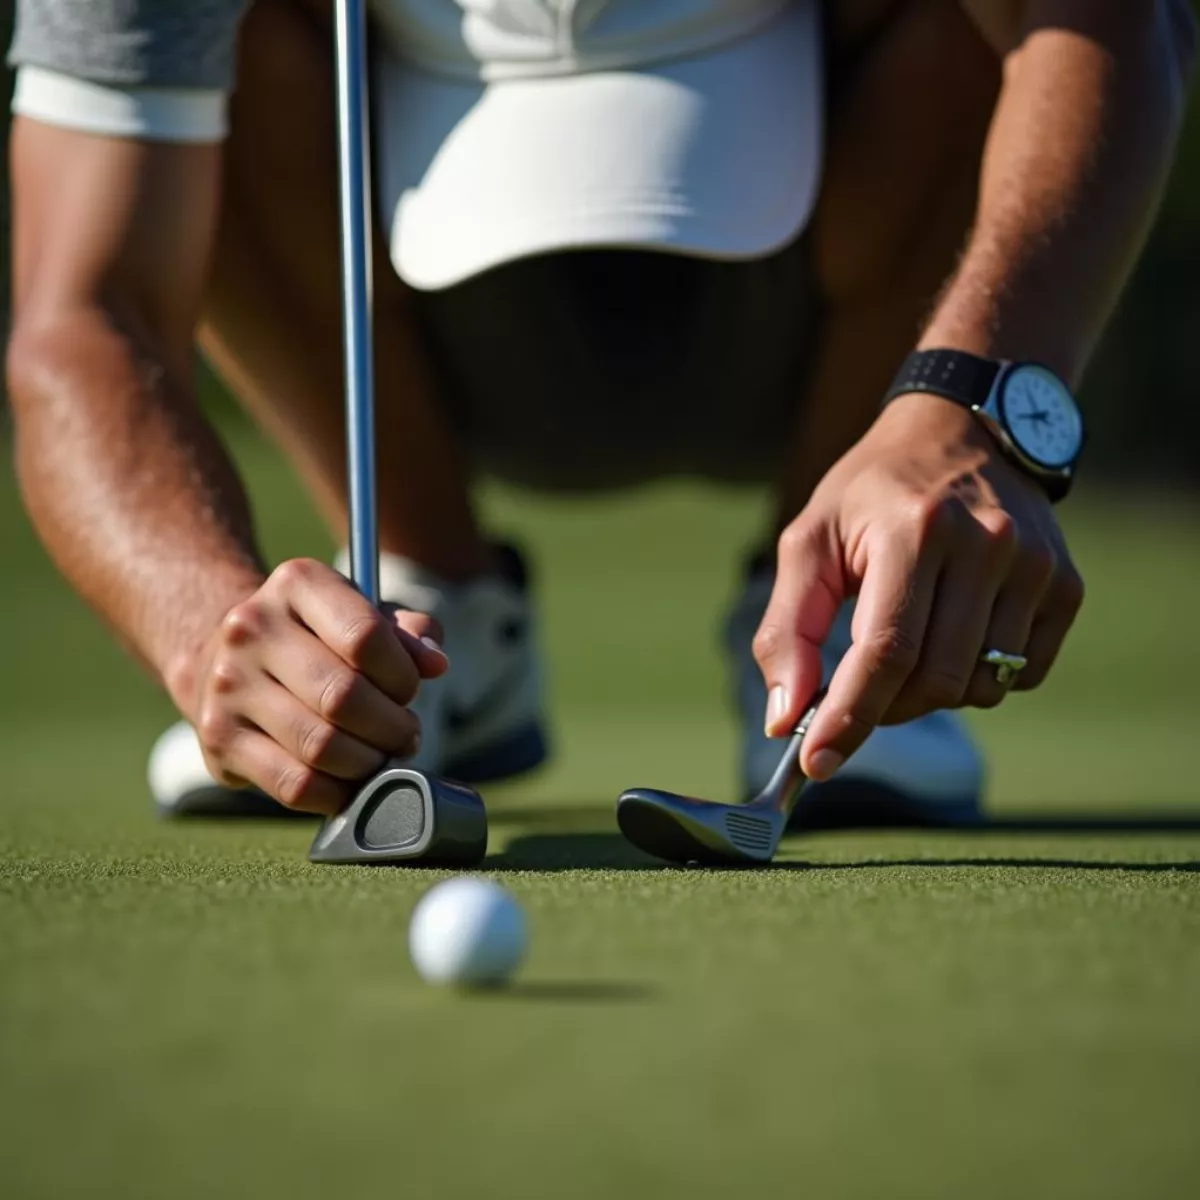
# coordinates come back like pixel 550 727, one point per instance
pixel 467 931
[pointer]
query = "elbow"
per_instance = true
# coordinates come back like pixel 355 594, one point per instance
pixel 28 359
pixel 37 362
pixel 85 346
pixel 56 352
pixel 58 363
pixel 38 353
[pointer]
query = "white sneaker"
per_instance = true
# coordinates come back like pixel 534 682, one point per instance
pixel 482 721
pixel 927 772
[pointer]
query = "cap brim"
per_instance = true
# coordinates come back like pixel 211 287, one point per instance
pixel 717 155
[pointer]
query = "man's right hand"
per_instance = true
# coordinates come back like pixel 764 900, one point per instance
pixel 302 689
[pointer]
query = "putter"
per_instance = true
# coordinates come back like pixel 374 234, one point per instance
pixel 685 830
pixel 401 816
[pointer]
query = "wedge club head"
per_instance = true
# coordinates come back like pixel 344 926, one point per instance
pixel 685 830
pixel 401 816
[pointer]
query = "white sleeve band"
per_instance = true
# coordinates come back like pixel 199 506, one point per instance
pixel 157 114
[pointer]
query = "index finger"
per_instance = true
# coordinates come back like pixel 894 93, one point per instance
pixel 353 628
pixel 890 620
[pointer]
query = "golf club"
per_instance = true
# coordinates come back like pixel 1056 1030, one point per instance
pixel 685 830
pixel 401 815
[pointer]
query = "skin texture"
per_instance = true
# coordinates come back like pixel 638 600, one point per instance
pixel 302 687
pixel 294 682
pixel 950 547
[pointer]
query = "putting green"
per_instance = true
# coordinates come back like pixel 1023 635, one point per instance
pixel 194 1011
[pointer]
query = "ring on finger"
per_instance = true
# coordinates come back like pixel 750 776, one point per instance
pixel 1008 666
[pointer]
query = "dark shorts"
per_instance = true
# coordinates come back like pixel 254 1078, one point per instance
pixel 607 368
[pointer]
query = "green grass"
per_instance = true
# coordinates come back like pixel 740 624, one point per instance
pixel 197 1012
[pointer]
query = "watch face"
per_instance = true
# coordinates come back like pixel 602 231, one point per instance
pixel 1041 416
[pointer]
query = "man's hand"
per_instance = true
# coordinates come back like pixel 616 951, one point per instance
pixel 952 552
pixel 302 689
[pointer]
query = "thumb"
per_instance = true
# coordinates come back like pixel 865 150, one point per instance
pixel 808 593
pixel 421 635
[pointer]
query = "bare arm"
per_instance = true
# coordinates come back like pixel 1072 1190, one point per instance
pixel 950 549
pixel 294 682
pixel 1073 171
pixel 129 487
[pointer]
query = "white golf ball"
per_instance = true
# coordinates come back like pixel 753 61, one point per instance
pixel 467 931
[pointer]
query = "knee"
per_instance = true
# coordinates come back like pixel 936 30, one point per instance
pixel 279 37
pixel 283 105
pixel 281 41
pixel 906 130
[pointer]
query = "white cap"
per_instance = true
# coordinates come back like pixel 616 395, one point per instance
pixel 520 127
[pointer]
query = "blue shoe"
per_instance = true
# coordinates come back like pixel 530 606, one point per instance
pixel 481 722
pixel 927 772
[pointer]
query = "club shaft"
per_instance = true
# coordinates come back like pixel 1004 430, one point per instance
pixel 788 782
pixel 354 194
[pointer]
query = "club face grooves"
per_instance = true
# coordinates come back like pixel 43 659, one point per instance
pixel 754 835
pixel 682 831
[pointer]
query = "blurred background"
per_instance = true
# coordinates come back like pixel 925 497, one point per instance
pixel 196 1012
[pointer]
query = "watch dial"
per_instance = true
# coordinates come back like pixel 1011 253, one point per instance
pixel 1041 416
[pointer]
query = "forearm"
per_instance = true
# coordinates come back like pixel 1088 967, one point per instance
pixel 1074 167
pixel 130 489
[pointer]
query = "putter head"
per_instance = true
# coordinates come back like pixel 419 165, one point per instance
pixel 404 817
pixel 684 830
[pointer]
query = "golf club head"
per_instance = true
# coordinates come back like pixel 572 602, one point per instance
pixel 404 817
pixel 684 830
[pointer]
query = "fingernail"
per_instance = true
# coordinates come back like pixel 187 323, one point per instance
pixel 777 706
pixel 824 764
pixel 430 644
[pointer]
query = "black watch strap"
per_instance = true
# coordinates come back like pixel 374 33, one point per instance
pixel 954 374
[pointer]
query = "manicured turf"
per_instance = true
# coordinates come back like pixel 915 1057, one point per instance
pixel 196 1012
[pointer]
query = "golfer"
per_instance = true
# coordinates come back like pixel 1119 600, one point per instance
pixel 858 252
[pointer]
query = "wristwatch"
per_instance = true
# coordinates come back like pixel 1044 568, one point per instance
pixel 1025 406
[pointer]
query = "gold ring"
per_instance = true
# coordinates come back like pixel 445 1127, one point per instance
pixel 1008 666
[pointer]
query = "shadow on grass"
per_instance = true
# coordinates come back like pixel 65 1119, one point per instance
pixel 592 816
pixel 584 837
pixel 594 851
pixel 583 851
pixel 575 991
pixel 1069 864
pixel 555 816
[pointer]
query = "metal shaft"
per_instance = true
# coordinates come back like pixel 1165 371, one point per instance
pixel 786 783
pixel 354 175
pixel 785 786
pixel 401 815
